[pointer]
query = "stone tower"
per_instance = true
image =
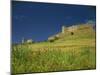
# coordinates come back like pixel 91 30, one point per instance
pixel 63 29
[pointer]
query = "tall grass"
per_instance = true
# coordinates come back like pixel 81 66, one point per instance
pixel 68 52
pixel 26 59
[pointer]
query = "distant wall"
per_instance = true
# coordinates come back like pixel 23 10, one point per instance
pixel 69 29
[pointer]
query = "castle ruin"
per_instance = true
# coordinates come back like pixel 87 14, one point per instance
pixel 69 29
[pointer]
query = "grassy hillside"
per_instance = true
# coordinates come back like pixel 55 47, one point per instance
pixel 69 52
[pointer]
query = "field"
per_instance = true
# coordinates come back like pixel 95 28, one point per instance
pixel 53 57
pixel 66 54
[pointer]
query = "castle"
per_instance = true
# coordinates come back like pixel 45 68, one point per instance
pixel 67 31
pixel 71 30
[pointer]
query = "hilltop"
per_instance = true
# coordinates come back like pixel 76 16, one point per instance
pixel 71 49
pixel 74 32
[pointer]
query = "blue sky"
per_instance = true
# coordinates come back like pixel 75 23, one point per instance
pixel 38 21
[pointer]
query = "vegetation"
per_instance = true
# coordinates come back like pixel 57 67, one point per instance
pixel 69 52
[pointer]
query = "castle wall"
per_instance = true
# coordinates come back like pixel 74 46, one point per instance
pixel 69 29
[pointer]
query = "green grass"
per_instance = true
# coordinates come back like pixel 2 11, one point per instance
pixel 69 52
pixel 28 59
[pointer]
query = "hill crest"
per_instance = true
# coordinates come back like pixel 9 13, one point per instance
pixel 75 32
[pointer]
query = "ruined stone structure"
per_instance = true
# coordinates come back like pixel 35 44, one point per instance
pixel 26 41
pixel 72 28
pixel 69 29
pixel 29 41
